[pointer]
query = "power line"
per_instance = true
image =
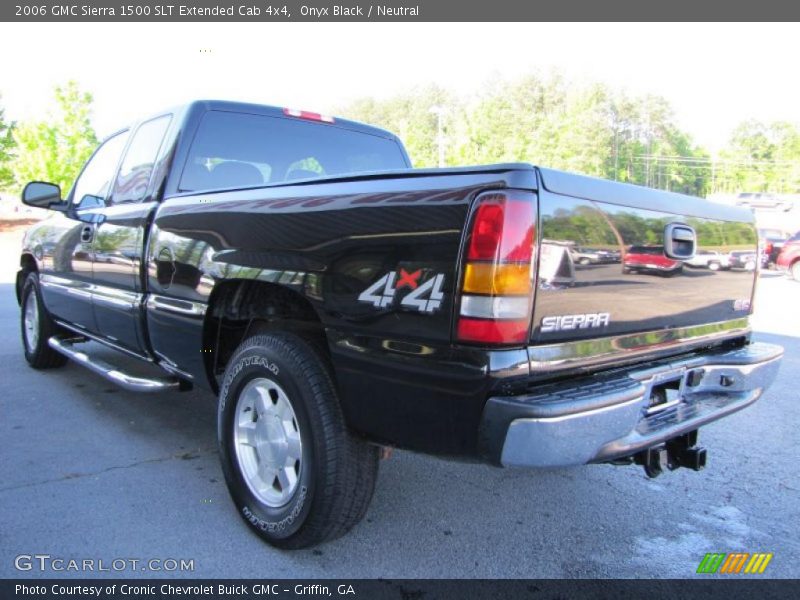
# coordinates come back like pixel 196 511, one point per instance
pixel 718 161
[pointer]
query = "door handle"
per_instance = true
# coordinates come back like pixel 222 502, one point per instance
pixel 680 241
pixel 87 233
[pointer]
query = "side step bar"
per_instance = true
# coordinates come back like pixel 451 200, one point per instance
pixel 129 382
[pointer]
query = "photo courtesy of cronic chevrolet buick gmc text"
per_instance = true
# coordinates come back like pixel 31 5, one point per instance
pixel 338 301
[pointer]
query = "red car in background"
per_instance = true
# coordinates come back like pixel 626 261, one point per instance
pixel 771 242
pixel 650 259
pixel 789 258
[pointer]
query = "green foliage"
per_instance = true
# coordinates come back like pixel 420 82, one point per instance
pixel 547 121
pixel 589 129
pixel 409 116
pixel 55 149
pixel 761 157
pixel 6 151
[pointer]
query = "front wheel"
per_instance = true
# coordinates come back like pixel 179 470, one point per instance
pixel 37 327
pixel 298 477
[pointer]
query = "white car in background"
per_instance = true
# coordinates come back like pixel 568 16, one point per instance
pixel 709 259
pixel 763 201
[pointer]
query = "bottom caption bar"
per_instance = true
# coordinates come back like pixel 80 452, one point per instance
pixel 401 589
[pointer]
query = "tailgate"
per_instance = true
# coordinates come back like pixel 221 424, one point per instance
pixel 603 271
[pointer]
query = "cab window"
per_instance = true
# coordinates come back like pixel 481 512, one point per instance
pixel 96 178
pixel 137 166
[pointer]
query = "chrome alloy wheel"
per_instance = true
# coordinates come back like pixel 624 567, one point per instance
pixel 31 321
pixel 267 442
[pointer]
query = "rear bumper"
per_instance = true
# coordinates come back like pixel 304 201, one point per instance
pixel 607 416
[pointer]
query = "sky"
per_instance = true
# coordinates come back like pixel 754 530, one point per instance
pixel 714 75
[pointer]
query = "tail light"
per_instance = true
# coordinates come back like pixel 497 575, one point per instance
pixel 497 283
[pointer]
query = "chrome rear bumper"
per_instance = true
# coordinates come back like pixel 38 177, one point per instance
pixel 608 416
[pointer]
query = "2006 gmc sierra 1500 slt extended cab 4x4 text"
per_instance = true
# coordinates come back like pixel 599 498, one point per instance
pixel 339 301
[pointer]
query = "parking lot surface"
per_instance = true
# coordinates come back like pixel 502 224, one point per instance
pixel 88 471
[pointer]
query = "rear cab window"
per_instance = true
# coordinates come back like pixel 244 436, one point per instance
pixel 232 150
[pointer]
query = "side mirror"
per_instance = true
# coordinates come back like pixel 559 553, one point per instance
pixel 41 194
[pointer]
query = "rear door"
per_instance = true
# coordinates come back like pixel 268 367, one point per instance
pixel 643 289
pixel 119 239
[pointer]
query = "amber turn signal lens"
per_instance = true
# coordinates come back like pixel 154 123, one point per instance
pixel 497 279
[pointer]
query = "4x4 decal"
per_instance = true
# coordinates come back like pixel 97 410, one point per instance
pixel 425 297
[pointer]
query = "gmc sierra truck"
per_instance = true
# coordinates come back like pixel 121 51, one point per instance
pixel 340 303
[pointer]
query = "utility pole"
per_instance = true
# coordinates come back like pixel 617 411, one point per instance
pixel 439 111
pixel 713 173
pixel 616 145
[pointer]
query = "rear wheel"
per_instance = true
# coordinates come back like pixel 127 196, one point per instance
pixel 297 476
pixel 37 327
pixel 714 266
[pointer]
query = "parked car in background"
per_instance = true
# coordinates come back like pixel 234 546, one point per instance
pixel 743 259
pixel 590 256
pixel 789 258
pixel 771 241
pixel 709 259
pixel 650 259
pixel 763 201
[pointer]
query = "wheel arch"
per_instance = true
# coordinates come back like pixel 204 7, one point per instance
pixel 28 265
pixel 236 306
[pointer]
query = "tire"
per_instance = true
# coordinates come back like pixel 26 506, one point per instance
pixel 795 270
pixel 584 261
pixel 714 266
pixel 37 327
pixel 294 472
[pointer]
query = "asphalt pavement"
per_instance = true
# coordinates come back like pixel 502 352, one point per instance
pixel 88 471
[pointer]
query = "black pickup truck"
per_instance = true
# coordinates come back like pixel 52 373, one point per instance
pixel 341 303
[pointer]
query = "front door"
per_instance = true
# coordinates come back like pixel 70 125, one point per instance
pixel 66 277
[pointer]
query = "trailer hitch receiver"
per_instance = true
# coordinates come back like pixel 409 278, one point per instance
pixel 678 452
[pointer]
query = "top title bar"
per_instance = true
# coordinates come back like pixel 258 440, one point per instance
pixel 266 11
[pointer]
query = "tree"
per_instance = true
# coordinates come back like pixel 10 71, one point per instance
pixel 409 116
pixel 545 120
pixel 55 149
pixel 6 151
pixel 761 157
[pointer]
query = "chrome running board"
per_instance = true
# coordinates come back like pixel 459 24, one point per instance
pixel 66 346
